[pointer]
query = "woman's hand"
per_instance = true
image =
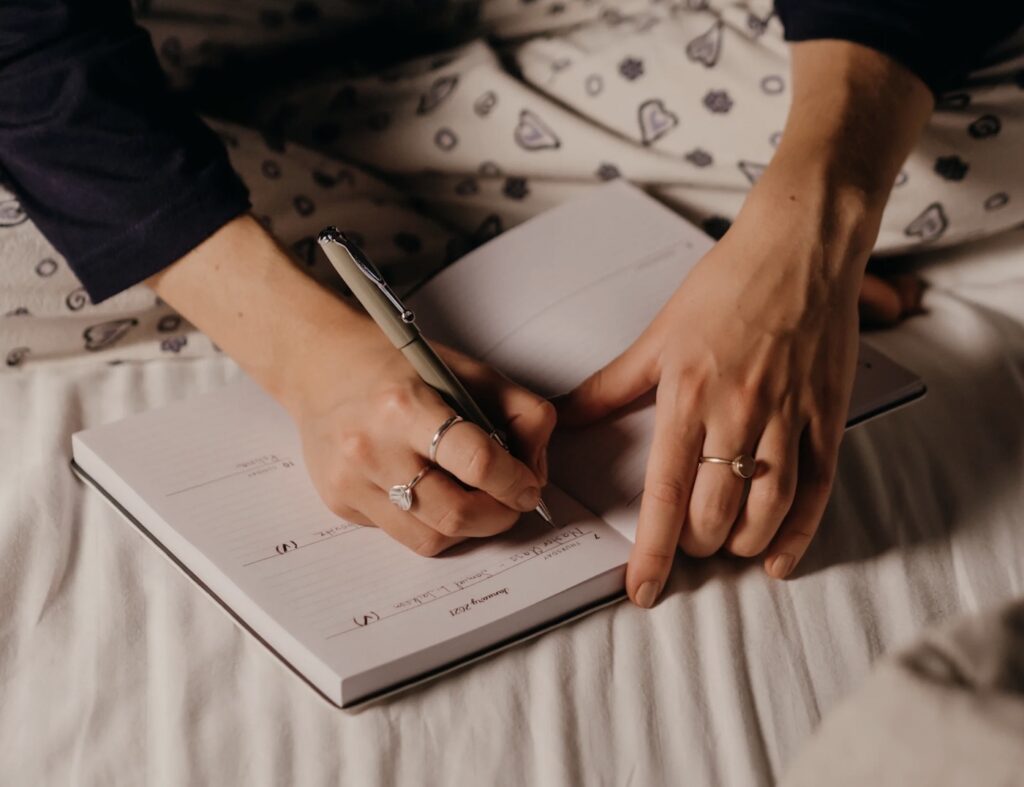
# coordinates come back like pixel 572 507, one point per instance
pixel 367 422
pixel 365 417
pixel 755 353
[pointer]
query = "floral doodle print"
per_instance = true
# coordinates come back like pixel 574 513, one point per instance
pixel 685 99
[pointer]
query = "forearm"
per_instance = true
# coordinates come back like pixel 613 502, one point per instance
pixel 243 291
pixel 854 118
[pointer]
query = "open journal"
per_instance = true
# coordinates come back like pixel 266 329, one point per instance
pixel 218 482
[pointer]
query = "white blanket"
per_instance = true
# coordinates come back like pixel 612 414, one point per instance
pixel 116 669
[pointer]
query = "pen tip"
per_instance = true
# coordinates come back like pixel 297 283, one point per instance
pixel 542 509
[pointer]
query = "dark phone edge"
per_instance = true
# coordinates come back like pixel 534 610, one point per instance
pixel 892 404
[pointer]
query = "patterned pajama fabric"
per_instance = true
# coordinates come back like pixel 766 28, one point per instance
pixel 422 161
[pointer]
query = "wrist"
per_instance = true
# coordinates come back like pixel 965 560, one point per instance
pixel 854 118
pixel 324 351
pixel 809 202
pixel 243 291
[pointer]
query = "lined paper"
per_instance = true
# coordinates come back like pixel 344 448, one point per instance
pixel 221 481
pixel 225 473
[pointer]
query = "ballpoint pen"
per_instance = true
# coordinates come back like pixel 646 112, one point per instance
pixel 399 324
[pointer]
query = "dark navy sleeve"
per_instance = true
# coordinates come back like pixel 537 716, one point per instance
pixel 940 41
pixel 114 169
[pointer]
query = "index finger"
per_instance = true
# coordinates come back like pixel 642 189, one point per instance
pixel 671 468
pixel 529 418
pixel 475 458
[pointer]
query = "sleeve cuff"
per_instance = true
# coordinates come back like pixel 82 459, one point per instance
pixel 909 48
pixel 148 246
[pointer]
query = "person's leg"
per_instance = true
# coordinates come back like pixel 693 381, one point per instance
pixel 710 87
pixel 688 103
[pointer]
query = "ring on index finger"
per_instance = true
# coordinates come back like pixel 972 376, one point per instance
pixel 440 433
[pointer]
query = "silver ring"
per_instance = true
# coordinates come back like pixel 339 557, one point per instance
pixel 401 494
pixel 448 424
pixel 743 465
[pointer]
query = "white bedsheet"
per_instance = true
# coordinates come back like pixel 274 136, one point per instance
pixel 115 669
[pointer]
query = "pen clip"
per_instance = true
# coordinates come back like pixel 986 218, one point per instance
pixel 368 269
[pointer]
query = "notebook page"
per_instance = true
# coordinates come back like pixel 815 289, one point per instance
pixel 552 300
pixel 558 297
pixel 223 480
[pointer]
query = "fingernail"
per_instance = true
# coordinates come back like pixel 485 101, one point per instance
pixel 782 565
pixel 647 594
pixel 528 498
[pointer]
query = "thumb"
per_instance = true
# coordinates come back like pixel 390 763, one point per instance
pixel 627 377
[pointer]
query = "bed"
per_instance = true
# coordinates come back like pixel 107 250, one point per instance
pixel 115 669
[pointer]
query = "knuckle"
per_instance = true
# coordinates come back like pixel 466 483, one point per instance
pixel 340 509
pixel 803 532
pixel 688 392
pixel 396 400
pixel 340 485
pixel 715 514
pixel 481 463
pixel 597 382
pixel 453 521
pixel 747 545
pixel 667 491
pixel 516 481
pixel 547 414
pixel 355 448
pixel 433 545
pixel 772 497
pixel 798 534
pixel 656 554
pixel 695 541
pixel 746 401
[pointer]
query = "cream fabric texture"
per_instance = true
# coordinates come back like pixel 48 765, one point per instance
pixel 949 712
pixel 117 670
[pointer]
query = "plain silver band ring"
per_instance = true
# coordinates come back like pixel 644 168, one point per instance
pixel 401 494
pixel 743 466
pixel 436 441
